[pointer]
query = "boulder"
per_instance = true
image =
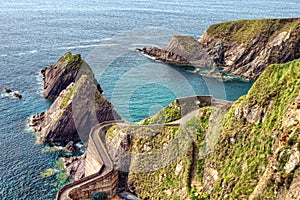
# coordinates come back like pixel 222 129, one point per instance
pixel 71 147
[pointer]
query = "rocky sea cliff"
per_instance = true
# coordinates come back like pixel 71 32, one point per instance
pixel 204 148
pixel 243 48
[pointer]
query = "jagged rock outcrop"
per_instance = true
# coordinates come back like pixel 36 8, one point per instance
pixel 78 107
pixel 246 47
pixel 75 166
pixel 74 112
pixel 165 56
pixel 182 50
pixel 60 75
pixel 190 49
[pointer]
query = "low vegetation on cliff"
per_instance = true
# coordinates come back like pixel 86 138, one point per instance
pixel 250 150
pixel 257 153
pixel 158 157
pixel 246 47
pixel 168 114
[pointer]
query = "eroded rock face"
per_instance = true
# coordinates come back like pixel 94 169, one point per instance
pixel 77 108
pixel 59 76
pixel 182 50
pixel 190 49
pixel 75 166
pixel 246 47
pixel 75 111
pixel 166 56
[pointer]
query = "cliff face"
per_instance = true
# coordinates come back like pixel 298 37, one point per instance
pixel 157 168
pixel 246 47
pixel 59 76
pixel 77 108
pixel 257 154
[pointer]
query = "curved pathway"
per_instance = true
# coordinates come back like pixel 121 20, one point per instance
pixel 102 155
pixel 107 169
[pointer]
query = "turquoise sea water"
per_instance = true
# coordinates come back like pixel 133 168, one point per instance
pixel 35 33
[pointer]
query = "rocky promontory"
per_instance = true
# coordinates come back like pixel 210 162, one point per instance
pixel 243 48
pixel 246 47
pixel 182 50
pixel 77 108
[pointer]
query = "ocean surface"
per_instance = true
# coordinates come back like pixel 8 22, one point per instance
pixel 35 33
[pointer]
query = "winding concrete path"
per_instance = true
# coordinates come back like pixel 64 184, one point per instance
pixel 100 152
pixel 94 142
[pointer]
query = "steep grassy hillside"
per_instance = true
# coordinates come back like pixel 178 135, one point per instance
pixel 257 154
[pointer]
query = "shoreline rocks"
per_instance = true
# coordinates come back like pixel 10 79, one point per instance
pixel 182 51
pixel 75 166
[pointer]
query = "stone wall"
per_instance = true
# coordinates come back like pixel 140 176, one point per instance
pixel 107 184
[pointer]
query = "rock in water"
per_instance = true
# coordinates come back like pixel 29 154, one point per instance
pixel 182 50
pixel 75 111
pixel 78 104
pixel 18 95
pixel 246 47
pixel 58 77
pixel 75 166
pixel 71 147
pixel 7 90
pixel 190 49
